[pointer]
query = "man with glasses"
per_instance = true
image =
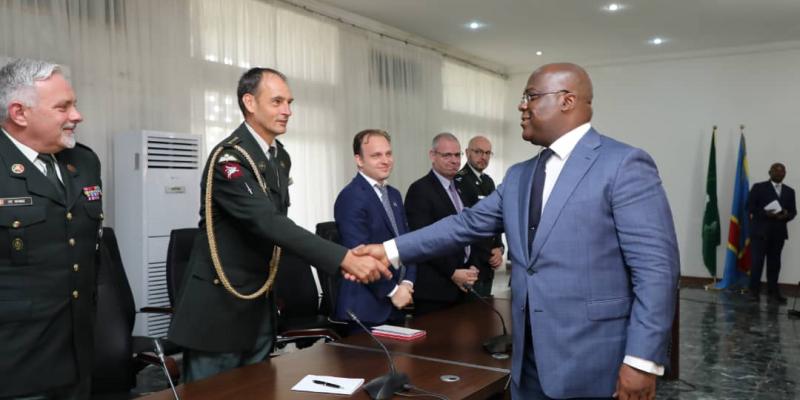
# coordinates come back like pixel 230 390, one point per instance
pixel 440 281
pixel 591 237
pixel 474 185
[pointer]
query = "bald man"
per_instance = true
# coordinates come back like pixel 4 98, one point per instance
pixel 474 184
pixel 592 242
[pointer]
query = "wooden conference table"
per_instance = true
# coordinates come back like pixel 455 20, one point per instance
pixel 451 347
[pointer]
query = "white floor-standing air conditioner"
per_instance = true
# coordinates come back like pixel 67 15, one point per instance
pixel 157 189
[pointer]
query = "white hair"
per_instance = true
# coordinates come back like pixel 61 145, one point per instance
pixel 17 80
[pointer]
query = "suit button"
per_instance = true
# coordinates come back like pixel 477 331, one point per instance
pixel 69 216
pixel 76 267
pixel 72 242
pixel 216 281
pixel 102 216
pixel 531 271
pixel 16 224
pixel 74 294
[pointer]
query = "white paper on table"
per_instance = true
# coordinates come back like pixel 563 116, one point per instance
pixel 348 385
pixel 773 207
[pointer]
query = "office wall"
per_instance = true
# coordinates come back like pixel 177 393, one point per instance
pixel 668 107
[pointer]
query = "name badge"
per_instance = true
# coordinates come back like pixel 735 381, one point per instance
pixel 16 201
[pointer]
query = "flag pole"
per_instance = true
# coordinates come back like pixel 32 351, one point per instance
pixel 713 285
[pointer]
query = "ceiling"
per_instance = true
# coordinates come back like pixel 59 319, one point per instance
pixel 581 30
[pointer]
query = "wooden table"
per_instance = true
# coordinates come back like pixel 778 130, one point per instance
pixel 273 380
pixel 454 335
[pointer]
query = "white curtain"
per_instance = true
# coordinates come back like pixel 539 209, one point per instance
pixel 173 66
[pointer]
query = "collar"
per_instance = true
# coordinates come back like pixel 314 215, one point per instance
pixel 567 142
pixel 372 182
pixel 444 181
pixel 28 152
pixel 261 142
pixel 776 184
pixel 475 171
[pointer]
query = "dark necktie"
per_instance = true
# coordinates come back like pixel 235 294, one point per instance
pixel 456 199
pixel 387 206
pixel 273 161
pixel 51 174
pixel 535 213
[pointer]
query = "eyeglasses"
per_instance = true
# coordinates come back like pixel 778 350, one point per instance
pixel 481 153
pixel 449 155
pixel 529 97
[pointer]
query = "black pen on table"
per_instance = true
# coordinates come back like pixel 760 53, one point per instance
pixel 328 384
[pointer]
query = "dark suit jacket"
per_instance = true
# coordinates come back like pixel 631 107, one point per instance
pixel 426 203
pixel 247 224
pixel 361 219
pixel 473 190
pixel 761 225
pixel 47 270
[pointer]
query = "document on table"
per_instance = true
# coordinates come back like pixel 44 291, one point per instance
pixel 773 207
pixel 327 384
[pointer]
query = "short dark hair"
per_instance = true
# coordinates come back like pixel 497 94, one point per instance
pixel 362 136
pixel 249 81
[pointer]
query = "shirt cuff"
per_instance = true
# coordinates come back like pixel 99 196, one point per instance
pixel 393 291
pixel 644 365
pixel 390 247
pixel 408 282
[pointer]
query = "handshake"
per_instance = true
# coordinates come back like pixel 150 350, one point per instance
pixel 366 263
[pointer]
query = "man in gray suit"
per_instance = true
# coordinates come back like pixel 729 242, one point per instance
pixel 592 242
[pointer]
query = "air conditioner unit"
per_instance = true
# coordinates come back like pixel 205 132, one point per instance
pixel 157 189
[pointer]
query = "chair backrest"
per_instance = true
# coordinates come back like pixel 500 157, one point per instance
pixel 178 252
pixel 113 369
pixel 295 289
pixel 328 282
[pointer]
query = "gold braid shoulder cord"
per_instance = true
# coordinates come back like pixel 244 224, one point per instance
pixel 212 240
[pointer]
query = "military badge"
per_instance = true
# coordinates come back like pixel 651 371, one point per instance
pixel 92 193
pixel 232 170
pixel 262 166
pixel 227 158
pixel 17 168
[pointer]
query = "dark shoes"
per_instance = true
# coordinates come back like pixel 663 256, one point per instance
pixel 754 297
pixel 777 298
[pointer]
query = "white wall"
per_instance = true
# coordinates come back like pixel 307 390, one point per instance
pixel 668 108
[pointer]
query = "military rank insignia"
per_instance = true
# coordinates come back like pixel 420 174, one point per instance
pixel 231 170
pixel 17 168
pixel 92 193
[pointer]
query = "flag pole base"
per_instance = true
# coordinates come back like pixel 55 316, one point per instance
pixel 712 286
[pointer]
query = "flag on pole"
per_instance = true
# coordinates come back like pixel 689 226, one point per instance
pixel 737 256
pixel 711 230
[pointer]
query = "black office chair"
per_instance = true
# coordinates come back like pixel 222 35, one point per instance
pixel 329 282
pixel 179 249
pixel 118 356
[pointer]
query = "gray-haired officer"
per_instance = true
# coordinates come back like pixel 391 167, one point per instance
pixel 50 223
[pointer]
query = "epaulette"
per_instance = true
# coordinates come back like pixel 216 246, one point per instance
pixel 232 142
pixel 462 172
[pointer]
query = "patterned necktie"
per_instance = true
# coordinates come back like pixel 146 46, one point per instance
pixel 535 213
pixel 456 199
pixel 387 206
pixel 51 173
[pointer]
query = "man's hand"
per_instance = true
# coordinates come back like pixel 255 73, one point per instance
pixel 463 277
pixel 496 260
pixel 402 296
pixel 375 251
pixel 634 384
pixel 363 268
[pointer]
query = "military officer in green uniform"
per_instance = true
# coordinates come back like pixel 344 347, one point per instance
pixel 50 222
pixel 225 315
pixel 474 185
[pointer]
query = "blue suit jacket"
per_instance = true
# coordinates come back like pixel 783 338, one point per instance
pixel 361 219
pixel 601 276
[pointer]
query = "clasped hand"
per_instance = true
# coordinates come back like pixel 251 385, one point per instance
pixel 366 264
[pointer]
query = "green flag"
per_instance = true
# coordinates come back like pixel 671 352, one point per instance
pixel 711 231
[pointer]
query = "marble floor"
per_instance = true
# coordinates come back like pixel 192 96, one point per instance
pixel 730 348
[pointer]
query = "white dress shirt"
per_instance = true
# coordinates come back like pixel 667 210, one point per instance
pixel 32 156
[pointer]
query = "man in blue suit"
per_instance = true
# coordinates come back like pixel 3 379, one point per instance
pixel 768 229
pixel 593 249
pixel 368 210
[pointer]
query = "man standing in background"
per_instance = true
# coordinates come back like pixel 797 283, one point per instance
pixel 51 218
pixel 474 185
pixel 440 281
pixel 771 205
pixel 369 210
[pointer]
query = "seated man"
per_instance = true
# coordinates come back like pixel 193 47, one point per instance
pixel 369 210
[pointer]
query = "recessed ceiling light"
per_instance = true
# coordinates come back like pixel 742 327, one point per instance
pixel 614 7
pixel 475 25
pixel 538 53
pixel 657 41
